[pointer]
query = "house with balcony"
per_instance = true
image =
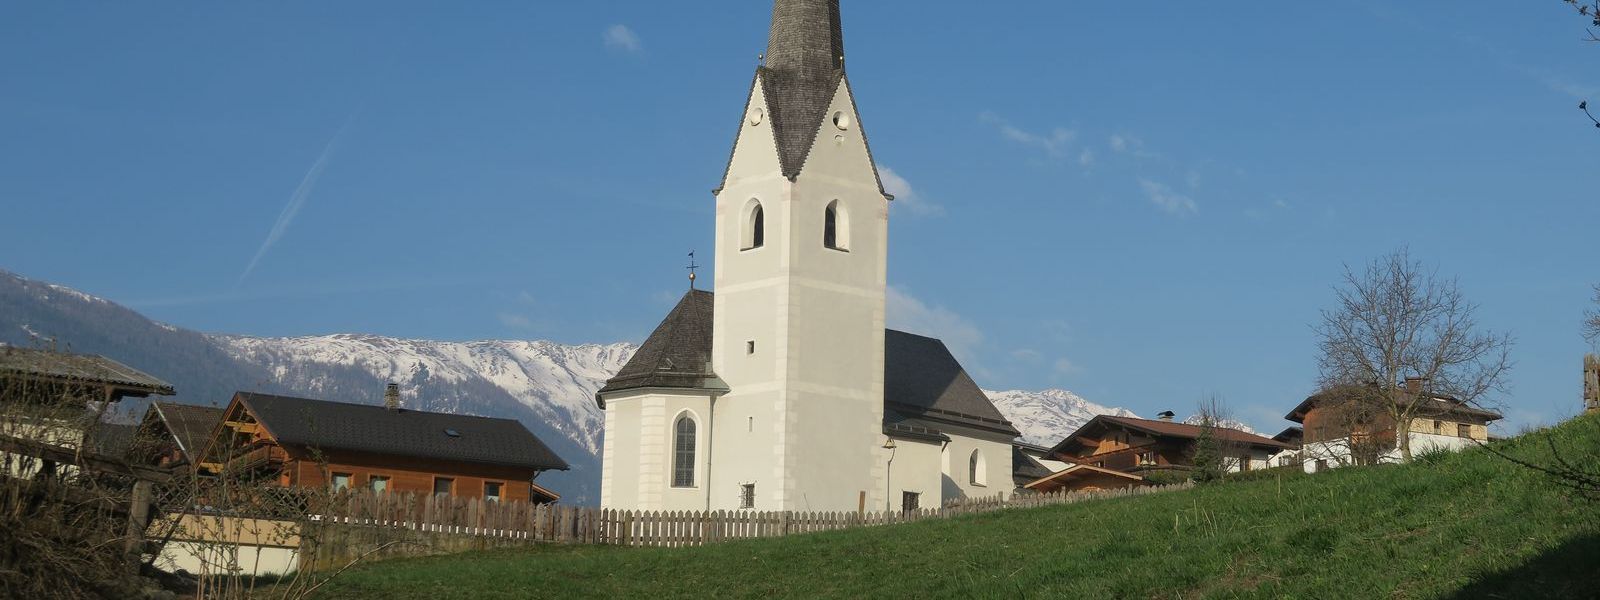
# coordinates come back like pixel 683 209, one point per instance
pixel 1111 451
pixel 303 442
pixel 1344 426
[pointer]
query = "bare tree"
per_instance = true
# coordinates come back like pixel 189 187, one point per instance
pixel 1591 319
pixel 1395 321
pixel 1589 9
pixel 1215 451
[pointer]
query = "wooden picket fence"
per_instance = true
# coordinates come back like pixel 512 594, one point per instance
pixel 537 523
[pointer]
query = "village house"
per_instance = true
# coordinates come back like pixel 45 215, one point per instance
pixel 172 434
pixel 1294 437
pixel 1341 431
pixel 300 442
pixel 783 390
pixel 1111 451
pixel 54 399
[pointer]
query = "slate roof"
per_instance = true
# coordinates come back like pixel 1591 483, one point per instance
pixel 676 355
pixel 365 428
pixel 926 392
pixel 191 426
pixel 922 378
pixel 81 368
pixel 1025 468
pixel 804 65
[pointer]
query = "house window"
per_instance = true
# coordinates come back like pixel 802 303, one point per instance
pixel 1244 463
pixel 378 483
pixel 1321 464
pixel 491 490
pixel 1147 458
pixel 443 486
pixel 747 495
pixel 978 469
pixel 683 452
pixel 750 347
pixel 909 501
pixel 1438 428
pixel 1463 430
pixel 341 482
pixel 755 226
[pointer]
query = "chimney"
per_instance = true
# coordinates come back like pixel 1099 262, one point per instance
pixel 1166 415
pixel 1415 385
pixel 391 396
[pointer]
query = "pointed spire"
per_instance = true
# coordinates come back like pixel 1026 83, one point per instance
pixel 804 64
pixel 807 39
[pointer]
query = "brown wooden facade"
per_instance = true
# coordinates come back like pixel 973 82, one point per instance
pixel 1132 445
pixel 242 445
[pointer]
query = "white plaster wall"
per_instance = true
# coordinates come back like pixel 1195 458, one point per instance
pixel 636 472
pixel 1337 452
pixel 915 469
pixel 1259 459
pixel 957 481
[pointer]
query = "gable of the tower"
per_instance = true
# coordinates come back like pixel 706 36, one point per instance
pixel 755 149
pixel 840 148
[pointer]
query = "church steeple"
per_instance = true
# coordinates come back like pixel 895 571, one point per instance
pixel 804 65
pixel 806 38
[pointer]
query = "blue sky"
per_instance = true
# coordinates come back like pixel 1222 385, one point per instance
pixel 1145 203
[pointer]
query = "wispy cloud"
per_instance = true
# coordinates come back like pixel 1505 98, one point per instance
pixel 1168 200
pixel 1131 145
pixel 621 37
pixel 907 313
pixel 297 199
pixel 905 196
pixel 1056 142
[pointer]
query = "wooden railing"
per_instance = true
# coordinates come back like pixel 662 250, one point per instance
pixel 571 524
pixel 265 455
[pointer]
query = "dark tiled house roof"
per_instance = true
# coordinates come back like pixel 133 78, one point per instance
pixel 374 429
pixel 676 355
pixel 191 426
pixel 80 368
pixel 1024 468
pixel 926 392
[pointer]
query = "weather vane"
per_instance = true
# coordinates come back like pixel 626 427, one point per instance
pixel 692 266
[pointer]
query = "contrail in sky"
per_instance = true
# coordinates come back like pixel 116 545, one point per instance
pixel 297 200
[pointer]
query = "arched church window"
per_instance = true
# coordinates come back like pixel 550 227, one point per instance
pixel 978 468
pixel 755 226
pixel 683 444
pixel 835 227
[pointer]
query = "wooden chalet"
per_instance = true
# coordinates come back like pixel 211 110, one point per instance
pixel 1336 416
pixel 1132 446
pixel 301 442
pixel 173 434
pixel 1085 478
pixel 54 399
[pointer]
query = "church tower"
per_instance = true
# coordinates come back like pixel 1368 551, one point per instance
pixel 801 260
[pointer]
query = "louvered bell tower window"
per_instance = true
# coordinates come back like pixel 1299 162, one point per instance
pixel 683 452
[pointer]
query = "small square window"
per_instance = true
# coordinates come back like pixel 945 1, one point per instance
pixel 378 483
pixel 491 490
pixel 750 347
pixel 341 482
pixel 747 495
pixel 910 501
pixel 443 486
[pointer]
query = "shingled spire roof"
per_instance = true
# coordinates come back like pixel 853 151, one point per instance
pixel 804 65
pixel 676 355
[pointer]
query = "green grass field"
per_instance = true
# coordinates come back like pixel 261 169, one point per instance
pixel 1468 525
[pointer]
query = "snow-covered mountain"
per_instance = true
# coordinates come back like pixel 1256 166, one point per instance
pixel 1044 418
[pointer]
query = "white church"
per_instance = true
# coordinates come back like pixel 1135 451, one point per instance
pixel 783 390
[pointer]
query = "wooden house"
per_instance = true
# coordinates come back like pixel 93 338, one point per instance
pixel 54 399
pixel 1342 428
pixel 300 442
pixel 174 434
pixel 1136 447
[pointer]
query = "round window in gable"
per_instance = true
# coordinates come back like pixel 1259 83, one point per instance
pixel 756 115
pixel 841 120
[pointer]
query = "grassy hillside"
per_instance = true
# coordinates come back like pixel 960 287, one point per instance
pixel 1468 525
